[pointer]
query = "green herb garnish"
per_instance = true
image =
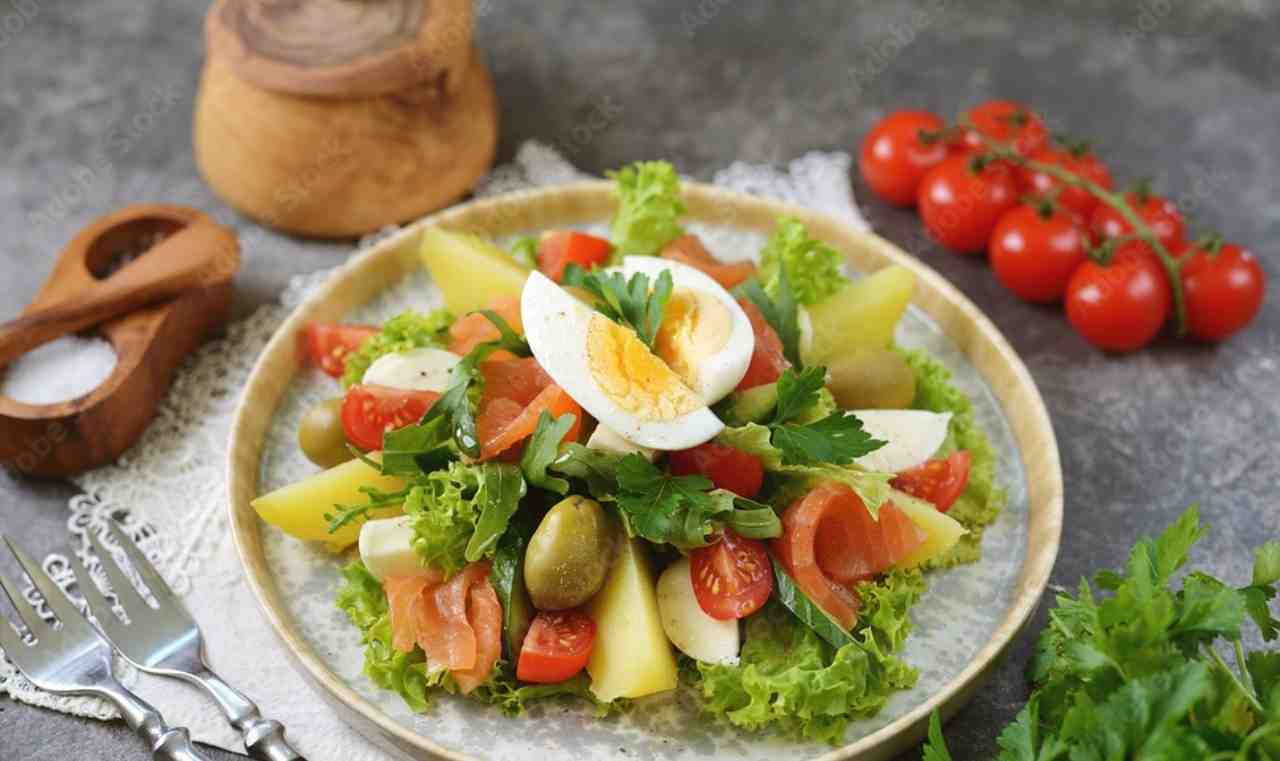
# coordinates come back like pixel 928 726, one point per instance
pixel 543 448
pixel 781 312
pixel 633 303
pixel 837 439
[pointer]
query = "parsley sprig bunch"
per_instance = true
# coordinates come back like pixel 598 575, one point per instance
pixel 837 439
pixel 1130 667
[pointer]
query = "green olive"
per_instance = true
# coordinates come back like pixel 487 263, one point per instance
pixel 321 436
pixel 569 555
pixel 872 379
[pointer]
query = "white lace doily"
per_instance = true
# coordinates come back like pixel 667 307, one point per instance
pixel 169 490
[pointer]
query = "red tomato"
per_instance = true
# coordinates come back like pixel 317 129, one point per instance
pixel 895 157
pixel 797 552
pixel 728 468
pixel 558 249
pixel 960 204
pixel 731 578
pixel 1158 213
pixel 1120 306
pixel 557 646
pixel 1035 251
pixel 688 249
pixel 1008 122
pixel 939 481
pixel 473 329
pixel 328 344
pixel 767 359
pixel 1224 291
pixel 1077 199
pixel 368 411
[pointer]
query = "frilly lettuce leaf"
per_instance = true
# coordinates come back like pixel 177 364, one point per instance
pixel 458 513
pixel 812 267
pixel 649 207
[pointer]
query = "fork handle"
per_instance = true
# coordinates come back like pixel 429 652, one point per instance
pixel 166 743
pixel 263 738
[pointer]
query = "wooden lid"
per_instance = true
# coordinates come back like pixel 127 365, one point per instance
pixel 342 48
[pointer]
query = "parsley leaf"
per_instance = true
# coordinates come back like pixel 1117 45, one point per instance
pixel 633 303
pixel 781 312
pixel 542 450
pixel 836 439
pixel 455 404
pixel 680 510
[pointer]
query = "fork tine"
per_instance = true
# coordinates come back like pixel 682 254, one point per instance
pixel 30 619
pixel 126 594
pixel 154 581
pixel 98 603
pixel 10 642
pixel 72 621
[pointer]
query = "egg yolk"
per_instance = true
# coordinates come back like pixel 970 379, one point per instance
pixel 695 325
pixel 632 376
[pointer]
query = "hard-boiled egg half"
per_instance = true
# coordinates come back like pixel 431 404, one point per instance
pixel 655 398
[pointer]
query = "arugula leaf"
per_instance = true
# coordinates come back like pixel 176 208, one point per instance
pixel 500 492
pixel 343 515
pixel 649 207
pixel 543 448
pixel 597 469
pixel 811 266
pixel 781 312
pixel 455 404
pixel 507 577
pixel 525 251
pixel 633 303
pixel 787 593
pixel 416 449
pixel 751 519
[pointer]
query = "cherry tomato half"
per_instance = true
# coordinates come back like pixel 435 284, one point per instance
pixel 1158 213
pixel 1009 122
pixel 1120 306
pixel 728 468
pixel 328 344
pixel 1035 251
pixel 557 646
pixel 368 411
pixel 1077 199
pixel 731 578
pixel 895 157
pixel 558 249
pixel 940 481
pixel 960 203
pixel 1224 289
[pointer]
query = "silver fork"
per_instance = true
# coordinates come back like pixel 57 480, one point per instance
pixel 74 659
pixel 166 641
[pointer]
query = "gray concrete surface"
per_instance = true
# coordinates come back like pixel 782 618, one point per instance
pixel 95 103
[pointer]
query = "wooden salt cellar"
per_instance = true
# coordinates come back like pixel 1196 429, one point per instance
pixel 66 438
pixel 335 118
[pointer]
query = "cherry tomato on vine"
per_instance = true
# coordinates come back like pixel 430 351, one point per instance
pixel 1120 306
pixel 1158 213
pixel 961 200
pixel 1224 286
pixel 894 156
pixel 728 468
pixel 731 578
pixel 1006 121
pixel 1035 250
pixel 1085 164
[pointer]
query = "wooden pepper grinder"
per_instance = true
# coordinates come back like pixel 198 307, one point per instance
pixel 336 118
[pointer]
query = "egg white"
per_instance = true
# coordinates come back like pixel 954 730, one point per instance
pixel 556 326
pixel 713 376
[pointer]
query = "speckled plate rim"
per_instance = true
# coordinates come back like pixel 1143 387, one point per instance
pixel 367 274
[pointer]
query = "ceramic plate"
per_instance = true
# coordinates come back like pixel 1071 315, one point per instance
pixel 963 623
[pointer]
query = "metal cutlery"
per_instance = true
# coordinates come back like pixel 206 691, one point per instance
pixel 166 641
pixel 74 659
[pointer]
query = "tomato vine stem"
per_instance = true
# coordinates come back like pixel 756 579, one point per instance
pixel 1172 266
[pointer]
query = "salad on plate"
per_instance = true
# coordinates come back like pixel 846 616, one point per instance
pixel 610 468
